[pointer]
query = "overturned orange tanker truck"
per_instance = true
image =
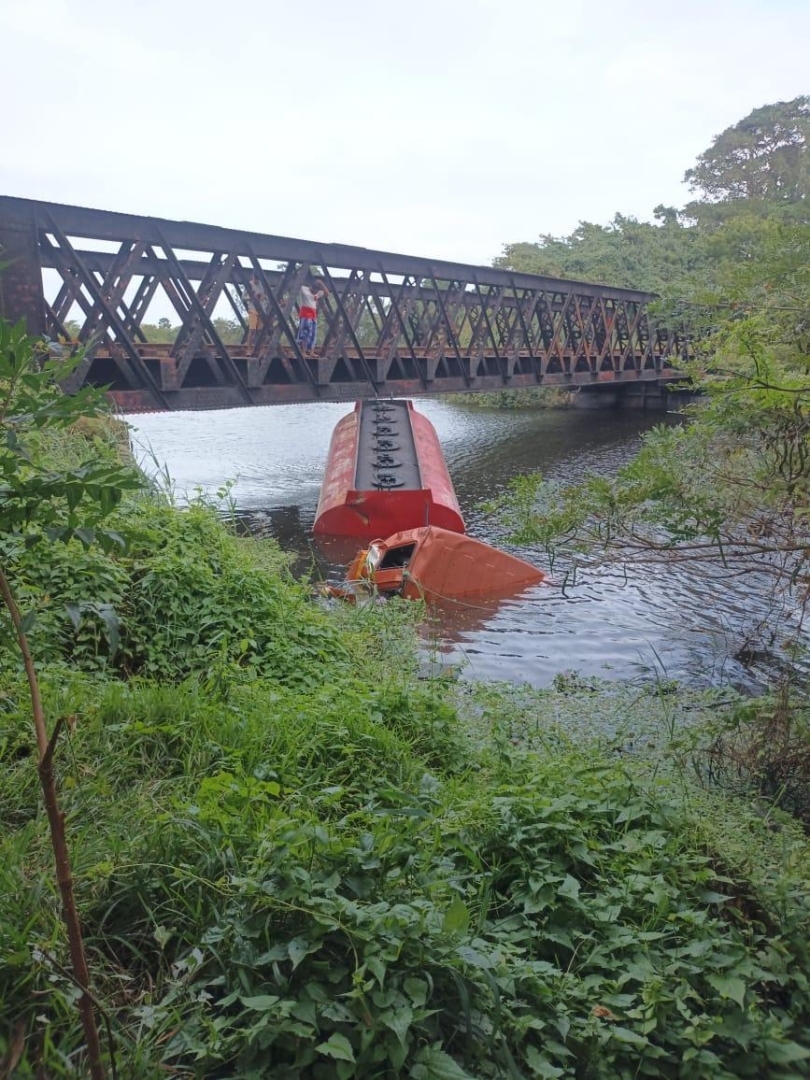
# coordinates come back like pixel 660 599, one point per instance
pixel 386 482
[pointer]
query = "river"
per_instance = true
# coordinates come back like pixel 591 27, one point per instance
pixel 612 621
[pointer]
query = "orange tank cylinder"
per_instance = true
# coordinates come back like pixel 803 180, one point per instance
pixel 385 472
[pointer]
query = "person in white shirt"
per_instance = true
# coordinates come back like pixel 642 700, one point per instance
pixel 308 317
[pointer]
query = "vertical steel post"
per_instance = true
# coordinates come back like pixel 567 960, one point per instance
pixel 21 295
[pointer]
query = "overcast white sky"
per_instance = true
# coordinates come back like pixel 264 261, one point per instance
pixel 443 128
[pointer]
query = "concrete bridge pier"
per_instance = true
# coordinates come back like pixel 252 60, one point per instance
pixel 596 398
pixel 659 396
pixel 652 396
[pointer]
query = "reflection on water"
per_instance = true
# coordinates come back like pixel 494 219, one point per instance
pixel 609 620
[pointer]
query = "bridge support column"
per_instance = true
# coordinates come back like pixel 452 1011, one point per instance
pixel 20 274
pixel 598 397
pixel 647 396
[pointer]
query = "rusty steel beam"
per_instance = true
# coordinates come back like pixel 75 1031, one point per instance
pixel 225 397
pixel 389 323
pixel 101 263
pixel 108 225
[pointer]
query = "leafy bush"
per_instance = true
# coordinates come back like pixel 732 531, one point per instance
pixel 332 883
pixel 186 598
pixel 532 397
pixel 202 601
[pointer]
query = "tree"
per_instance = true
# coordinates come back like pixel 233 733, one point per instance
pixel 163 332
pixel 230 331
pixel 41 505
pixel 762 159
pixel 626 253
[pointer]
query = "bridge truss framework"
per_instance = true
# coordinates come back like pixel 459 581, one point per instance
pixel 390 324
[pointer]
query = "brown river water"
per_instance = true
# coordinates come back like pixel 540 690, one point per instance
pixel 611 621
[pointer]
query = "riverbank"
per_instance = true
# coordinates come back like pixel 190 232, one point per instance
pixel 536 397
pixel 295 858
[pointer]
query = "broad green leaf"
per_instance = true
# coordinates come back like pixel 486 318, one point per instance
pixel 417 990
pixel 298 949
pixel 87 536
pixel 456 918
pixel 377 968
pixel 107 614
pixel 569 888
pixel 397 1052
pixel 711 897
pixel 626 1035
pixel 260 1003
pixel 474 957
pixel 398 1020
pixel 431 1063
pixel 729 986
pixel 305 1010
pixel 337 1046
pixel 784 1053
pixel 73 495
pixel 109 539
pixel 162 935
pixel 541 1066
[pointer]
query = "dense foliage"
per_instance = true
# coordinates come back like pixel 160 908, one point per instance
pixel 626 252
pixel 754 175
pixel 733 486
pixel 404 905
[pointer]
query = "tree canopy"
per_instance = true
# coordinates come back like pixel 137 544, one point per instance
pixel 754 174
pixel 761 160
pixel 628 253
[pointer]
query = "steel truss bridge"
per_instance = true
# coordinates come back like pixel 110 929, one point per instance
pixel 389 324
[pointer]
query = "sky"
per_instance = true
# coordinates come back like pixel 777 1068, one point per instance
pixel 439 128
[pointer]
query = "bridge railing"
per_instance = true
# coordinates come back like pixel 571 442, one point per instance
pixel 389 323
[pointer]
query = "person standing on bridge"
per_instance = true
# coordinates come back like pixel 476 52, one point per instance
pixel 308 317
pixel 256 302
